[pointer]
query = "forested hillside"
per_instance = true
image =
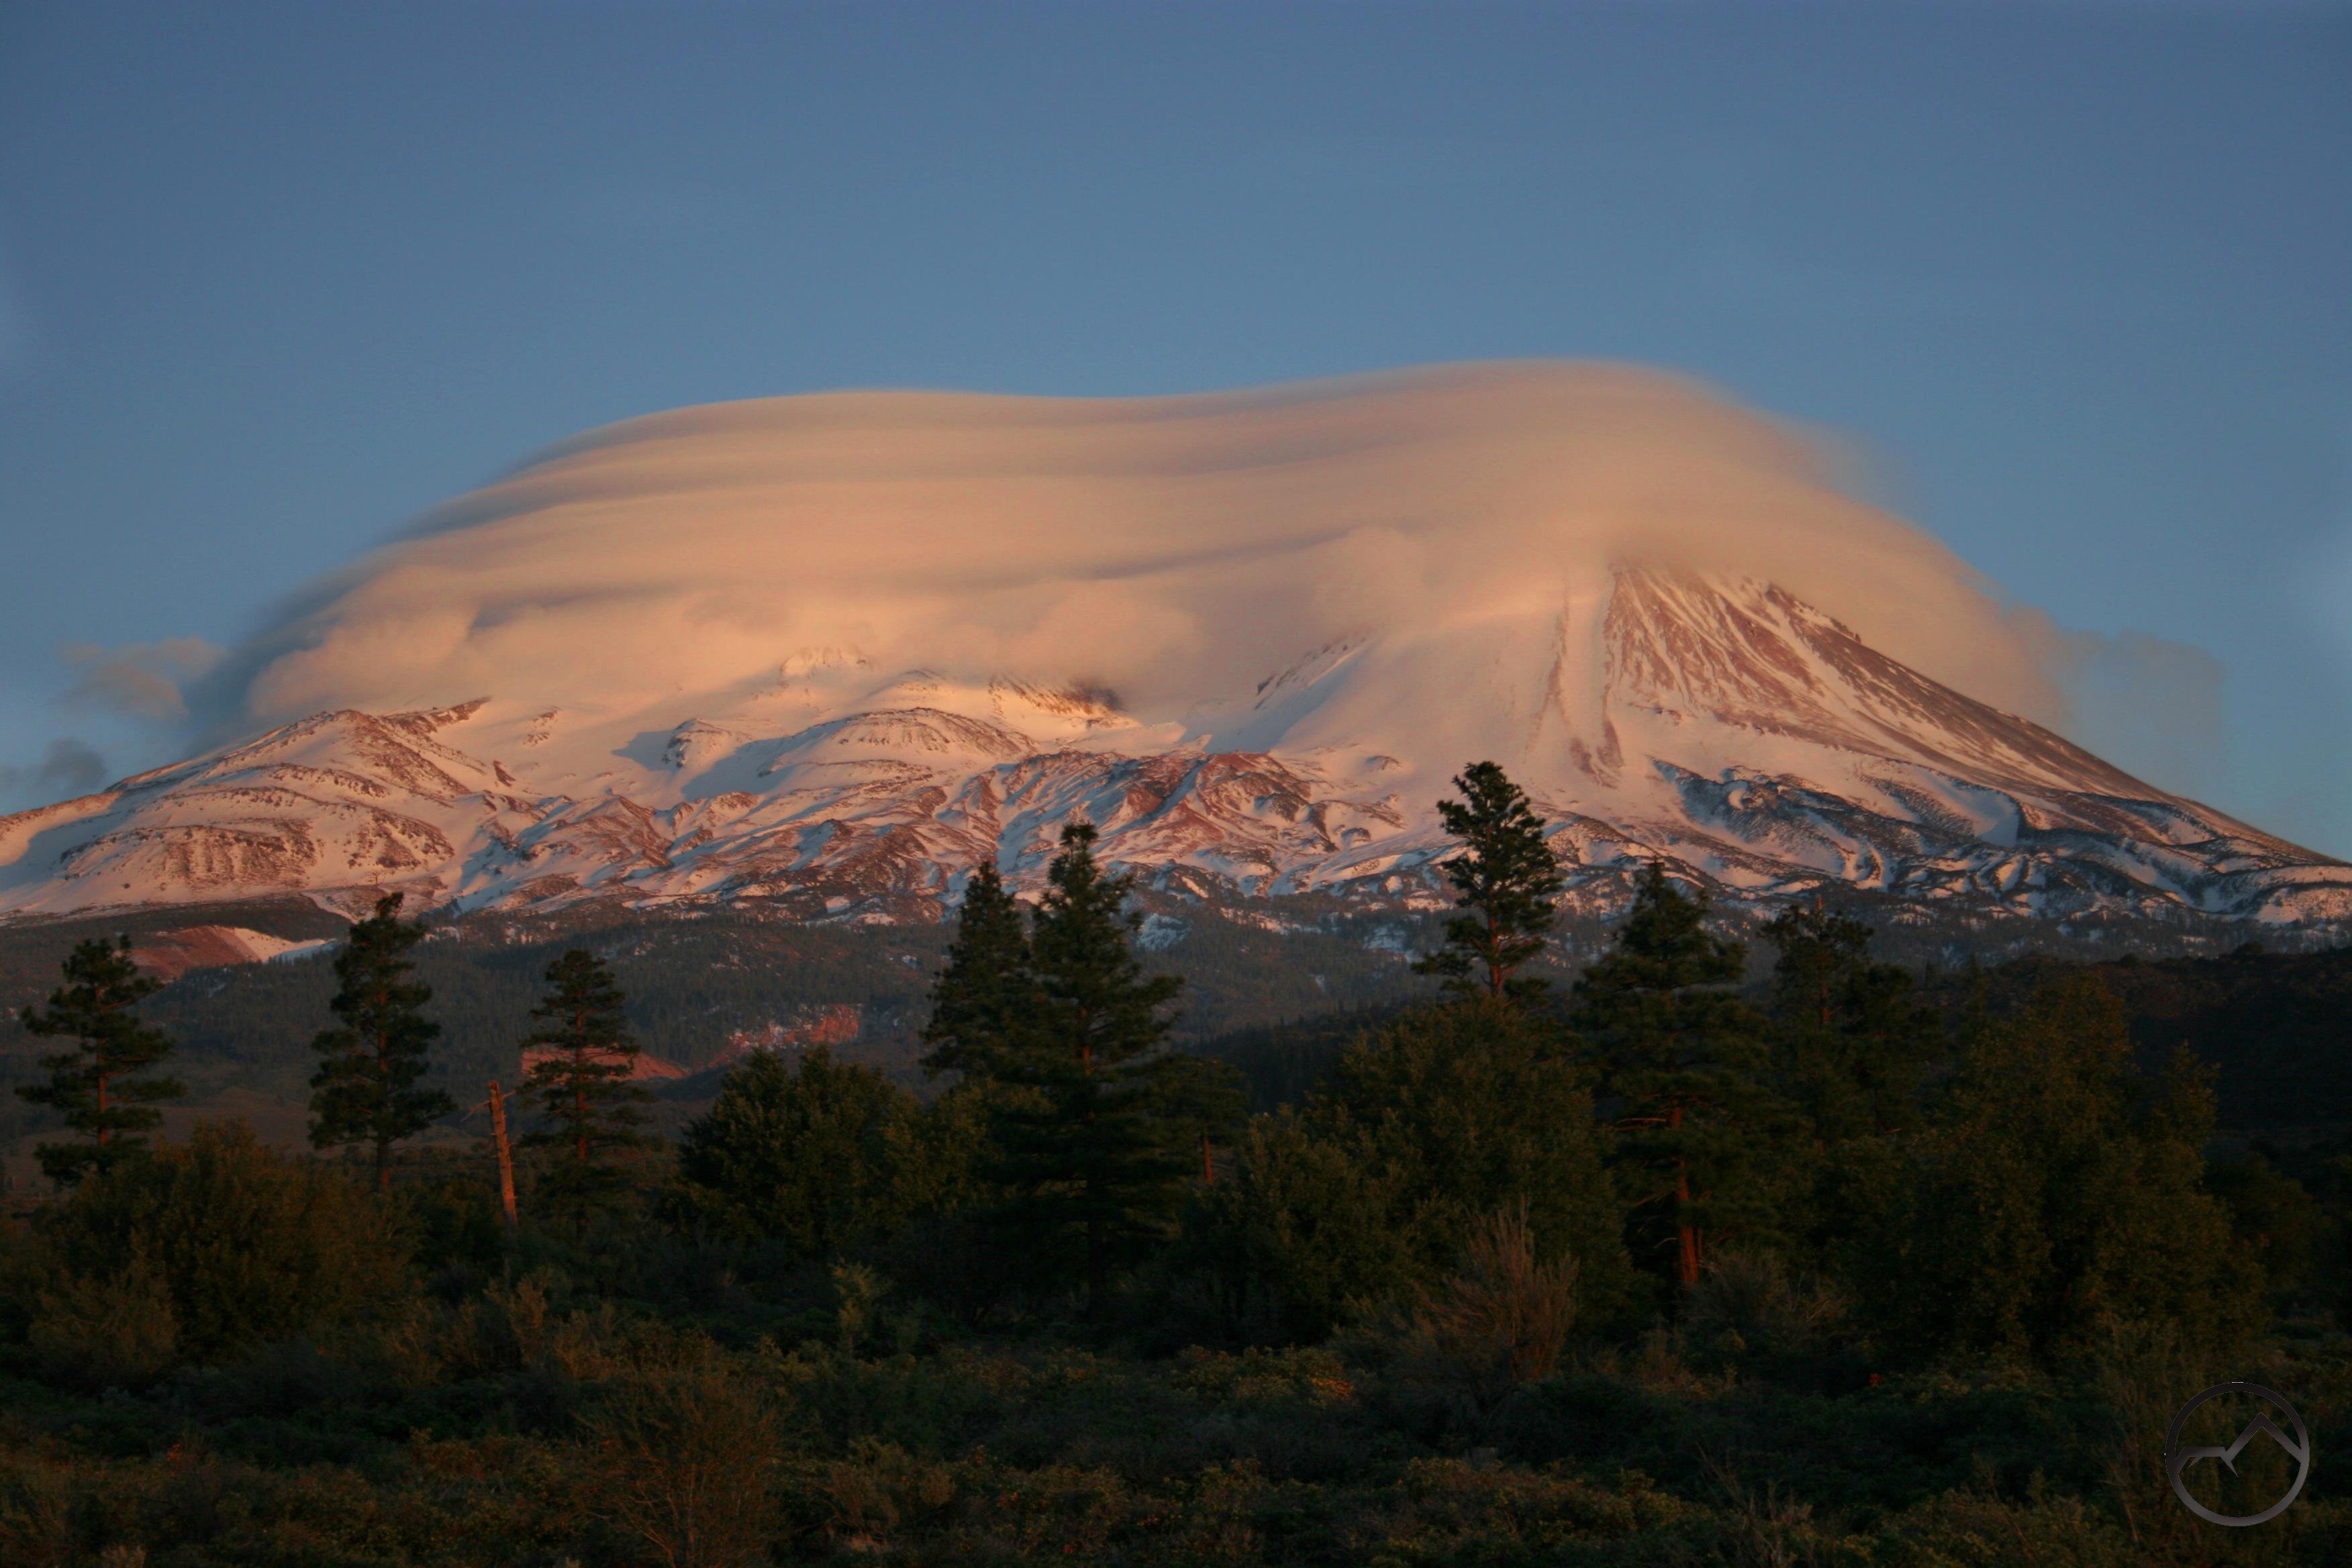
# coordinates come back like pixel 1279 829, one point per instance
pixel 1732 1248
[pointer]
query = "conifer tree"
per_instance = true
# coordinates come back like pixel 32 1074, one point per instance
pixel 1426 1127
pixel 581 1065
pixel 2058 1198
pixel 818 1154
pixel 1851 1033
pixel 1506 880
pixel 1683 1060
pixel 101 1087
pixel 1097 1141
pixel 987 993
pixel 364 1094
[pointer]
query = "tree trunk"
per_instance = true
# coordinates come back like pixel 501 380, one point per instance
pixel 1686 1235
pixel 1096 1268
pixel 506 1155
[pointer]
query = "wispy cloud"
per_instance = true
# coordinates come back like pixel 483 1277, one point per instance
pixel 139 680
pixel 1177 548
pixel 70 768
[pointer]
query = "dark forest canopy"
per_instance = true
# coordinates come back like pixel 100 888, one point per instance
pixel 1735 1246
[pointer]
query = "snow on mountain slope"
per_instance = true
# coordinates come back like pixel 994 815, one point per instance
pixel 832 650
pixel 1726 726
pixel 168 955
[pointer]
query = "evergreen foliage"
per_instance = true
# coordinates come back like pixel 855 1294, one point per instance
pixel 2058 1199
pixel 1850 1041
pixel 2275 1214
pixel 1508 880
pixel 365 1093
pixel 1304 1232
pixel 1428 1127
pixel 1683 1060
pixel 988 994
pixel 221 1354
pixel 1480 1107
pixel 103 1089
pixel 208 1250
pixel 1851 1035
pixel 1097 1128
pixel 580 1067
pixel 820 1157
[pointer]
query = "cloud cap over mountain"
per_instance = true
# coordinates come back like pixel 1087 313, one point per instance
pixel 1172 549
pixel 829 653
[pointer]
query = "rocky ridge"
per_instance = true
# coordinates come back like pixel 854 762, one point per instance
pixel 1759 746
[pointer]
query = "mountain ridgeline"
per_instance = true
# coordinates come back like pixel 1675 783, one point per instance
pixel 1725 728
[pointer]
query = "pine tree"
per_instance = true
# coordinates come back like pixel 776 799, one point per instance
pixel 820 1155
pixel 580 1067
pixel 1684 1062
pixel 100 1087
pixel 1098 1139
pixel 365 1093
pixel 1851 1033
pixel 2058 1197
pixel 1506 879
pixel 1483 1106
pixel 987 993
pixel 1850 1039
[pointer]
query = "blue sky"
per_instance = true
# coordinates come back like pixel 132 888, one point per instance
pixel 2071 278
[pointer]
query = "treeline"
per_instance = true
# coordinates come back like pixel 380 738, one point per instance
pixel 2015 1184
pixel 1646 1267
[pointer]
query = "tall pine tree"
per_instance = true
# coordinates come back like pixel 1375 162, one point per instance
pixel 1850 1041
pixel 581 1069
pixel 1506 880
pixel 988 994
pixel 1851 1033
pixel 101 1087
pixel 364 1094
pixel 1100 1136
pixel 1684 1061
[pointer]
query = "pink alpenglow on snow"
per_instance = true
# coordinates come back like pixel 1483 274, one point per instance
pixel 839 649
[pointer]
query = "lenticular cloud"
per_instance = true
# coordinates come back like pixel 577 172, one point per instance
pixel 1174 550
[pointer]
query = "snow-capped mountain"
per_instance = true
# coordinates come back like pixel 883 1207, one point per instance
pixel 829 652
pixel 1721 724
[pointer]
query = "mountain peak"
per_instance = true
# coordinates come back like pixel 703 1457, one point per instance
pixel 1721 724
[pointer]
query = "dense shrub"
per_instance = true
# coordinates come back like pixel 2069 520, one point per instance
pixel 820 1158
pixel 1437 1119
pixel 684 1449
pixel 199 1252
pixel 2057 1198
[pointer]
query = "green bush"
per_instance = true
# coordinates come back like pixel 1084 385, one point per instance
pixel 821 1158
pixel 685 1449
pixel 200 1252
pixel 1443 1116
pixel 2057 1199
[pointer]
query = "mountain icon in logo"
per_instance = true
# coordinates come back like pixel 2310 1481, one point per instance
pixel 2178 1457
